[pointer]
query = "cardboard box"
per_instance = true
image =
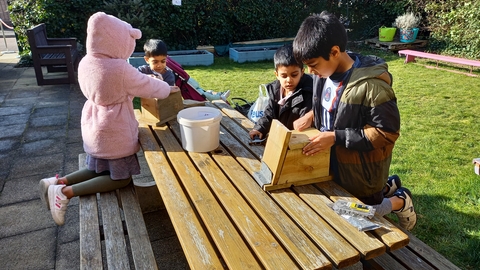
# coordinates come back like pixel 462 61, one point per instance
pixel 160 111
pixel 476 164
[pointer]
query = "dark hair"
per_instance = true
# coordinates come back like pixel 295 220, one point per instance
pixel 317 35
pixel 284 57
pixel 155 47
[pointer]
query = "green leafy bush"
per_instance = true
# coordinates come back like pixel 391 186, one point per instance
pixel 454 25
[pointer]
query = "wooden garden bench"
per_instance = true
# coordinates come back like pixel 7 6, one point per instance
pixel 57 54
pixel 112 224
pixel 411 54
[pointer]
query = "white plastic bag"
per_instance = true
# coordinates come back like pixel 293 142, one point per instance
pixel 258 108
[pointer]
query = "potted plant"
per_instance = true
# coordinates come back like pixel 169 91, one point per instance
pixel 408 25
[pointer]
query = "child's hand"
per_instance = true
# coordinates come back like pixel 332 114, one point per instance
pixel 174 89
pixel 254 133
pixel 319 143
pixel 303 122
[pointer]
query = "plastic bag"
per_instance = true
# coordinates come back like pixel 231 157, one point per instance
pixel 258 108
pixel 361 223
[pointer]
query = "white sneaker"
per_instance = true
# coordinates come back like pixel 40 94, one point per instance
pixel 224 96
pixel 58 203
pixel 43 188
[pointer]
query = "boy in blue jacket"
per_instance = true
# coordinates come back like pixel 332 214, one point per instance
pixel 156 58
pixel 355 108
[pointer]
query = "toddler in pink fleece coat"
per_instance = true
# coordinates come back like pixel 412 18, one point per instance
pixel 109 127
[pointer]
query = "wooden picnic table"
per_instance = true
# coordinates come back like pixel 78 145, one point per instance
pixel 223 218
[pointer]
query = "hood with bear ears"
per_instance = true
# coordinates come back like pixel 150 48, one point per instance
pixel 110 37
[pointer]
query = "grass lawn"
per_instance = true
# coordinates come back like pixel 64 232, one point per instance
pixel 440 135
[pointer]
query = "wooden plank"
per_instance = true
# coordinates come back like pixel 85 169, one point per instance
pixel 384 261
pixel 227 239
pixel 451 59
pixel 199 251
pixel 141 248
pixel 162 110
pixel 410 259
pixel 389 234
pixel 90 245
pixel 395 45
pixel 268 250
pixel 301 138
pixel 307 255
pixel 337 249
pixel 115 245
pixel 364 242
pixel 297 167
pixel 276 149
pixel 427 253
pixel 297 183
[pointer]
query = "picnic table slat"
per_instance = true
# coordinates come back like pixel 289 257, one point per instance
pixel 384 261
pixel 390 234
pixel 116 248
pixel 340 252
pixel 230 244
pixel 187 225
pixel 364 242
pixel 405 255
pixel 142 251
pixel 90 245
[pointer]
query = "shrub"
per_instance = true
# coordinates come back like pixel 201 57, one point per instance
pixel 455 27
pixel 454 24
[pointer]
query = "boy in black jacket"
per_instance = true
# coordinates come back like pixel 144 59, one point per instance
pixel 290 96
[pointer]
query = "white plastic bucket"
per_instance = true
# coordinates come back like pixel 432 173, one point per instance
pixel 200 128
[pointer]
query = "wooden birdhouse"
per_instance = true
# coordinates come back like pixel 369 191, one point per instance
pixel 159 111
pixel 284 164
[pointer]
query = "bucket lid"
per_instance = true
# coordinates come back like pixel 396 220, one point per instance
pixel 199 115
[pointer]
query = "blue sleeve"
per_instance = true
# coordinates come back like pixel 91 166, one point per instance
pixel 169 77
pixel 145 69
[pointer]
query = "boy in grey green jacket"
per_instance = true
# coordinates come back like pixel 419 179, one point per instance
pixel 355 108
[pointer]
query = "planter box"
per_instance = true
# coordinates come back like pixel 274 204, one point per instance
pixel 184 58
pixel 252 54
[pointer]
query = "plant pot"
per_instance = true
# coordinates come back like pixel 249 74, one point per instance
pixel 184 58
pixel 386 33
pixel 408 35
pixel 252 54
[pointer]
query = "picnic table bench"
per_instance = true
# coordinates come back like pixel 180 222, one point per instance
pixel 113 234
pixel 57 54
pixel 223 218
pixel 411 54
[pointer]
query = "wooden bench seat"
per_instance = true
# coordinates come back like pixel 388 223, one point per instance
pixel 56 54
pixel 411 54
pixel 113 234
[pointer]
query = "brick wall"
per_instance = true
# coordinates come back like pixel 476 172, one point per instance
pixel 4 12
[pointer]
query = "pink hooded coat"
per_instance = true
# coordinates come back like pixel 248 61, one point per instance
pixel 109 127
